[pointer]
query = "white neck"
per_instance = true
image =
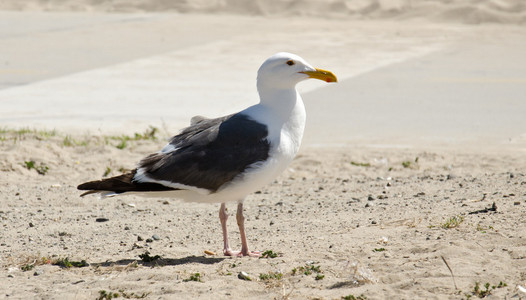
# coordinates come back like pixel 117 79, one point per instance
pixel 286 110
pixel 281 101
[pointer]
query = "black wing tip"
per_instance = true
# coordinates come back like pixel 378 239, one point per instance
pixel 84 186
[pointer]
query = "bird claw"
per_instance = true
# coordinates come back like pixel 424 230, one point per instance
pixel 229 252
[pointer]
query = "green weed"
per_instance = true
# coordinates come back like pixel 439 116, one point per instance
pixel 41 169
pixel 453 222
pixel 358 164
pixel 194 277
pixel 269 254
pixel 66 263
pixel 271 276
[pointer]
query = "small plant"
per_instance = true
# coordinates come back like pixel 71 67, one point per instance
pixel 27 267
pixel 379 249
pixel 149 134
pixel 453 222
pixel 269 254
pixel 271 276
pixel 194 277
pixel 147 258
pixel 488 288
pixel 106 172
pixel 103 295
pixel 132 295
pixel 123 140
pixel 69 141
pixel 307 270
pixel 409 164
pixel 352 297
pixel 319 277
pixel 123 143
pixel 41 169
pixel 66 263
pixel 359 164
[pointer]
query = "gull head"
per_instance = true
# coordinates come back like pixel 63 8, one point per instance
pixel 284 70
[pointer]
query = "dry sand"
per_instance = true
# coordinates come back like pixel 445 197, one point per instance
pixel 374 216
pixel 375 229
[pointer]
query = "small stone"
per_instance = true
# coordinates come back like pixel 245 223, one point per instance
pixel 271 222
pixel 139 238
pixel 370 198
pixel 516 203
pixel 31 224
pixel 156 237
pixel 243 276
pixel 149 240
pixel 373 222
pixel 102 219
pixel 126 228
pixel 38 272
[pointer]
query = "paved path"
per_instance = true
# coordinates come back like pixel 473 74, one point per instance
pixel 471 94
pixel 402 84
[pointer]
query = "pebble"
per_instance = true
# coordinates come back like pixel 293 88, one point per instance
pixel 126 228
pixel 38 272
pixel 156 237
pixel 243 276
pixel 149 240
pixel 31 224
pixel 139 238
pixel 370 198
pixel 102 219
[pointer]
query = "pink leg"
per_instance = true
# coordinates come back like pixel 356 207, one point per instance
pixel 241 223
pixel 223 217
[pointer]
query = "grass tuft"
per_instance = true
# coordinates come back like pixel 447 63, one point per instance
pixel 269 254
pixel 66 263
pixel 41 169
pixel 194 277
pixel 453 222
pixel 271 276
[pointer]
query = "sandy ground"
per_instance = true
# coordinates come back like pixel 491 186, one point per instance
pixel 391 196
pixel 373 226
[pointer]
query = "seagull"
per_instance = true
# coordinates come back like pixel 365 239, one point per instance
pixel 225 159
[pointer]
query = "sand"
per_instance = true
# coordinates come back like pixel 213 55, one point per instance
pixel 410 183
pixel 372 220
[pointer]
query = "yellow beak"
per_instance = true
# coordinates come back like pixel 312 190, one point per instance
pixel 322 75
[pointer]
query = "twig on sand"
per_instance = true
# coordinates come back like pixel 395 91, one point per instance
pixel 451 271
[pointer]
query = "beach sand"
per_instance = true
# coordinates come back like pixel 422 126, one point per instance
pixel 377 222
pixel 410 183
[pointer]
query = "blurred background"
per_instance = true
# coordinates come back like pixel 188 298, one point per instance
pixel 412 73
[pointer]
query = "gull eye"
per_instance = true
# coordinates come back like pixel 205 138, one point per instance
pixel 290 62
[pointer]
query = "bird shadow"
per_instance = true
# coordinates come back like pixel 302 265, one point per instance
pixel 161 262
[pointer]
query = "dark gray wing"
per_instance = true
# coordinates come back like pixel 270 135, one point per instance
pixel 210 152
